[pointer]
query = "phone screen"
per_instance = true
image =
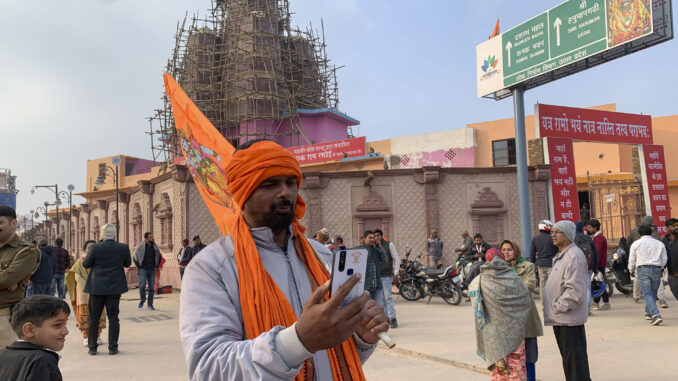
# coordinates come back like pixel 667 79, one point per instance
pixel 345 264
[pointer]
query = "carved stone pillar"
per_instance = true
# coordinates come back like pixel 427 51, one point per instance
pixel 313 183
pixel 430 178
pixel 147 188
pixel 103 206
pixel 124 223
pixel 86 223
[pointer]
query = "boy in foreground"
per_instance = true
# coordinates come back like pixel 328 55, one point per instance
pixel 40 323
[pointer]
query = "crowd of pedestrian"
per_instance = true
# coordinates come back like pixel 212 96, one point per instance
pixel 565 259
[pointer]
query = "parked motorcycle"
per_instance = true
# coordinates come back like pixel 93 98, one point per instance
pixel 422 281
pixel 408 284
pixel 619 272
pixel 466 273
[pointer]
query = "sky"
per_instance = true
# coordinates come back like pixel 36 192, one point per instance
pixel 79 78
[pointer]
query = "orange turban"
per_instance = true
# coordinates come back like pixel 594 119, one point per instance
pixel 250 167
pixel 263 304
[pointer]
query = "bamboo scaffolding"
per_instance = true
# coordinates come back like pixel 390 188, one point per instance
pixel 249 72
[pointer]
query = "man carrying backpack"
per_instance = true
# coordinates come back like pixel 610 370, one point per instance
pixel 586 245
pixel 593 228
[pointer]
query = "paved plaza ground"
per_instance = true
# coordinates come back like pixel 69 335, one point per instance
pixel 435 340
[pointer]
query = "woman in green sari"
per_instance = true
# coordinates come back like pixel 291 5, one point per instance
pixel 75 280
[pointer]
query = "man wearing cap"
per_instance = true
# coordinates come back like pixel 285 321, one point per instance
pixel 105 283
pixel 322 236
pixel 542 252
pixel 565 301
pixel 18 259
pixel 255 304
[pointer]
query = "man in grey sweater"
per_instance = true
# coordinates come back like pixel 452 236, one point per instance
pixel 565 301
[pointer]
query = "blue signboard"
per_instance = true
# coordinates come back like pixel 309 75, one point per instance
pixel 8 199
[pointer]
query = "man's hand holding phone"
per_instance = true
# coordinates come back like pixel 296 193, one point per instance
pixel 373 323
pixel 323 324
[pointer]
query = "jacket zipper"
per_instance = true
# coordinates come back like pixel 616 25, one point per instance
pixel 296 291
pixel 294 279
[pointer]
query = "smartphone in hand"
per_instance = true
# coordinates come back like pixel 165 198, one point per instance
pixel 345 264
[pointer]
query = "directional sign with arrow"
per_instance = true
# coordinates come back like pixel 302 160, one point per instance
pixel 525 45
pixel 567 33
pixel 576 24
pixel 556 25
pixel 509 45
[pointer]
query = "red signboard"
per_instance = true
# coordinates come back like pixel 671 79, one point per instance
pixel 563 179
pixel 593 125
pixel 329 151
pixel 656 186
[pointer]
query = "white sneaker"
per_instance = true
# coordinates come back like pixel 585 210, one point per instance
pixel 85 343
pixel 99 341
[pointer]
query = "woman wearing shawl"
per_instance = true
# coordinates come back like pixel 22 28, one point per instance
pixel 75 281
pixel 533 329
pixel 501 303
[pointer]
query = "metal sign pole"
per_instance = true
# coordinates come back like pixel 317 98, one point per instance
pixel 521 164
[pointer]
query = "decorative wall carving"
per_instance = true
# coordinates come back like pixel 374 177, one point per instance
pixel 487 199
pixel 487 216
pixel 372 203
pixel 373 211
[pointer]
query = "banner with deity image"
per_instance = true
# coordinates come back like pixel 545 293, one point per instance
pixel 206 153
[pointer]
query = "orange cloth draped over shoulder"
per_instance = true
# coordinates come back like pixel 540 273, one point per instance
pixel 263 304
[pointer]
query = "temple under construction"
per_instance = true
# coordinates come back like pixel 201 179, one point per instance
pixel 253 76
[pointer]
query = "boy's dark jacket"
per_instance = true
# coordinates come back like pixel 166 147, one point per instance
pixel 23 361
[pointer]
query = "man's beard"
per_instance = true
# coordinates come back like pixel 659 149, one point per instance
pixel 278 221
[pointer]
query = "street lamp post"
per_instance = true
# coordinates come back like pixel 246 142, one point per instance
pixel 24 222
pixel 54 188
pixel 32 221
pixel 43 210
pixel 69 196
pixel 101 179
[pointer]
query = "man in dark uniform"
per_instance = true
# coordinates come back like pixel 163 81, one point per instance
pixel 18 260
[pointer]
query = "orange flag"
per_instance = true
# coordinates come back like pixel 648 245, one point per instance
pixel 207 153
pixel 495 32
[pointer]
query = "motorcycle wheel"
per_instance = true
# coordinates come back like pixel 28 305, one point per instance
pixel 409 291
pixel 622 289
pixel 451 293
pixel 609 286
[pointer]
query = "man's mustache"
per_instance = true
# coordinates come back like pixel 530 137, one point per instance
pixel 281 203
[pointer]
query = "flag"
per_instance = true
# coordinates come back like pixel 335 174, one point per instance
pixel 207 153
pixel 495 32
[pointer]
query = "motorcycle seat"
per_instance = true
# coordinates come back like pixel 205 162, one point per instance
pixel 433 272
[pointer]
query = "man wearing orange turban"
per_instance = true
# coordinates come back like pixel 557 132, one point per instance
pixel 254 304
